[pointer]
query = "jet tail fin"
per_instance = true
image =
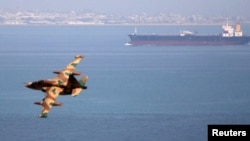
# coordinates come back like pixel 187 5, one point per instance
pixel 82 82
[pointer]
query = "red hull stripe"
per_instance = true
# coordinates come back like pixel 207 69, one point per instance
pixel 183 43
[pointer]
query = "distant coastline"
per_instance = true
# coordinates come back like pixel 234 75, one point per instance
pixel 72 18
pixel 132 25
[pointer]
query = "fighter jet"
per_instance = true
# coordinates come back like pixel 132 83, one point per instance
pixel 64 83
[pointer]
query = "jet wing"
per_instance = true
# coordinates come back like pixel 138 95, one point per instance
pixel 50 97
pixel 60 81
pixel 72 65
pixel 63 76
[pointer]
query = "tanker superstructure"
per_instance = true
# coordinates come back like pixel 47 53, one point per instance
pixel 229 36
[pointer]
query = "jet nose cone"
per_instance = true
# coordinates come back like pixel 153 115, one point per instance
pixel 28 84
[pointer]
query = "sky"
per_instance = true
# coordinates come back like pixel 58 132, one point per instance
pixel 183 7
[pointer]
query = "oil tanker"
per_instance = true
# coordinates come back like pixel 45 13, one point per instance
pixel 228 36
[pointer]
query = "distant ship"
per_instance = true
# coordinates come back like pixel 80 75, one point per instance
pixel 229 36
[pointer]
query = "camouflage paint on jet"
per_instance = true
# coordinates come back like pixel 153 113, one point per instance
pixel 64 83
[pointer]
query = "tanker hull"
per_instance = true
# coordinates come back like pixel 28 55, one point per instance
pixel 189 40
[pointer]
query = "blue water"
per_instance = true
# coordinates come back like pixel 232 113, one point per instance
pixel 136 93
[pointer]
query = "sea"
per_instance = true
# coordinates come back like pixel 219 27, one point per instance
pixel 135 93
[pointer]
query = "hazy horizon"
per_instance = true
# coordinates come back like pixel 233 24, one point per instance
pixel 183 7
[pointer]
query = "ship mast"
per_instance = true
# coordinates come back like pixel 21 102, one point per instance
pixel 135 32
